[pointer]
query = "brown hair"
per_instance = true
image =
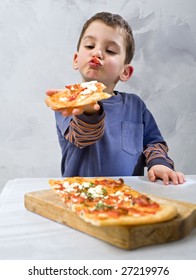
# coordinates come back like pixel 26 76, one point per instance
pixel 117 22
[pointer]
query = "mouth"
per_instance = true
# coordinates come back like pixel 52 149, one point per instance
pixel 95 62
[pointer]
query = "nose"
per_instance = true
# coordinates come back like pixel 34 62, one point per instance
pixel 98 53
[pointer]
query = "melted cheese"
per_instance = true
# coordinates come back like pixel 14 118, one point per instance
pixel 96 191
pixel 90 87
pixel 63 99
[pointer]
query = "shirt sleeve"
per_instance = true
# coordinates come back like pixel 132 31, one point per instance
pixel 155 147
pixel 158 154
pixel 85 130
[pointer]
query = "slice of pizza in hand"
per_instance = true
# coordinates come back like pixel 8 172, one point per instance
pixel 77 95
pixel 108 202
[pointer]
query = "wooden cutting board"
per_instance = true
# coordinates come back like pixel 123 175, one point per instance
pixel 48 204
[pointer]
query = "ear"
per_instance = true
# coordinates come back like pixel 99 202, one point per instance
pixel 75 61
pixel 126 73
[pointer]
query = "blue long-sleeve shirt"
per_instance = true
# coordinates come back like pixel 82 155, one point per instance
pixel 120 141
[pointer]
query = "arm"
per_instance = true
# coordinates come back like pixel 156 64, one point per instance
pixel 81 126
pixel 159 165
pixel 86 129
pixel 157 154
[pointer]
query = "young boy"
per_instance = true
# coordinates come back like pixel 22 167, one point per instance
pixel 118 136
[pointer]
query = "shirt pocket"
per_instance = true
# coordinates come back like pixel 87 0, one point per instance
pixel 132 137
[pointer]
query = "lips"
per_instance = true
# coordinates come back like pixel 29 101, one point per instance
pixel 95 61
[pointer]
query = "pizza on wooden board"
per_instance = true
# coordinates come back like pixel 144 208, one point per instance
pixel 107 202
pixel 77 95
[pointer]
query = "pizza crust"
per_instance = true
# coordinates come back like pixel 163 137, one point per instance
pixel 166 213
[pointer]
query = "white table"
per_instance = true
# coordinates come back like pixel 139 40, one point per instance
pixel 26 236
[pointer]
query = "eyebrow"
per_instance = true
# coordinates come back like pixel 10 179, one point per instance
pixel 88 37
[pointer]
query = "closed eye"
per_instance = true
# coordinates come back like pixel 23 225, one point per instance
pixel 89 47
pixel 111 52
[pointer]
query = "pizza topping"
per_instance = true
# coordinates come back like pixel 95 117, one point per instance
pixel 91 86
pixel 102 199
pixel 84 88
pixel 144 201
pixel 78 95
pixel 118 193
pixel 113 194
pixel 96 191
pixel 63 99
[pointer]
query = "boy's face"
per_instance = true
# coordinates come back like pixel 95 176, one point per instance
pixel 107 44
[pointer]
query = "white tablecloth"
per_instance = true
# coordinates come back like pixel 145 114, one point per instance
pixel 26 235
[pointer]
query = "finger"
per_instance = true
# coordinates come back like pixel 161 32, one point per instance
pixel 72 111
pixel 77 111
pixel 165 179
pixel 181 178
pixel 177 177
pixel 80 109
pixel 151 176
pixel 96 107
pixel 66 112
pixel 50 92
pixel 173 177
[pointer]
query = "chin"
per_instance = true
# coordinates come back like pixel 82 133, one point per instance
pixel 92 78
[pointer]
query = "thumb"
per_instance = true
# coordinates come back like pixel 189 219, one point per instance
pixel 50 92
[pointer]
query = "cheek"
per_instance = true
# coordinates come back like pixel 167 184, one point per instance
pixel 80 62
pixel 82 58
pixel 113 66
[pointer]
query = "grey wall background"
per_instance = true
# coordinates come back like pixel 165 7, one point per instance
pixel 37 41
